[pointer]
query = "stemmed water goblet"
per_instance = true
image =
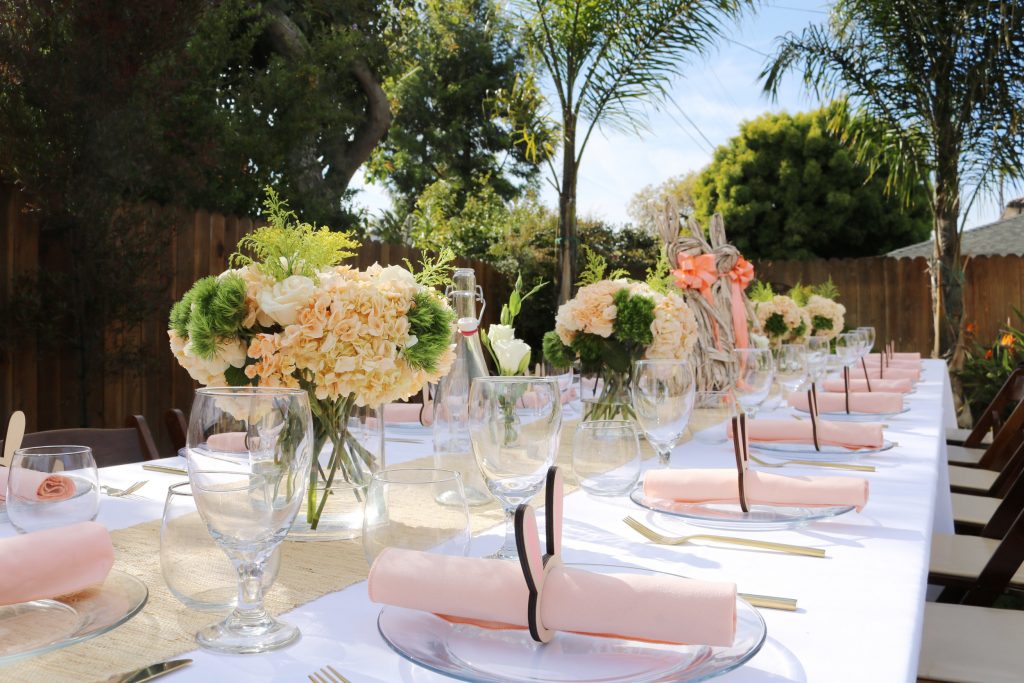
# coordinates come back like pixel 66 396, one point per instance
pixel 249 453
pixel 755 373
pixel 791 366
pixel 513 425
pixel 662 399
pixel 869 333
pixel 848 347
pixel 817 357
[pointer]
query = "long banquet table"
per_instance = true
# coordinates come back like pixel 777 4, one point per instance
pixel 860 610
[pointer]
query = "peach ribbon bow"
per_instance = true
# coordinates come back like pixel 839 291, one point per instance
pixel 739 277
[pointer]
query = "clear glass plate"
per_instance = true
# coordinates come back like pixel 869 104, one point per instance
pixel 32 628
pixel 471 653
pixel 827 453
pixel 856 417
pixel 730 516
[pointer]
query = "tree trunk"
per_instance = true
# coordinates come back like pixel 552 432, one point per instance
pixel 567 239
pixel 947 270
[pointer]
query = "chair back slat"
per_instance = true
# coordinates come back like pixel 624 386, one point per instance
pixel 177 428
pixel 999 571
pixel 1011 506
pixel 109 446
pixel 991 418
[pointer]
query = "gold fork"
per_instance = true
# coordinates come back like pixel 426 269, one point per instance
pixel 120 493
pixel 815 463
pixel 661 539
pixel 327 674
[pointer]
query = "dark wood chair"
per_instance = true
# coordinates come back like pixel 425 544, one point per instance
pixel 177 428
pixel 132 443
pixel 991 419
pixel 988 516
pixel 998 466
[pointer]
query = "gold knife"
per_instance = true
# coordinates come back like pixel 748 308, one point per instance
pixel 166 469
pixel 148 673
pixel 770 602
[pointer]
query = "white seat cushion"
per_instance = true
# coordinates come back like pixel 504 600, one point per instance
pixel 971 644
pixel 964 556
pixel 959 434
pixel 972 478
pixel 974 509
pixel 962 454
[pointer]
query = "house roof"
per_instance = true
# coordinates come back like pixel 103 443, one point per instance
pixel 995 239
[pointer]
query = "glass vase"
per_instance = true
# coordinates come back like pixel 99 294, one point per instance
pixel 350 443
pixel 610 400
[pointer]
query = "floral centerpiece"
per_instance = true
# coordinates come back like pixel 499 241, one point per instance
pixel 826 315
pixel 613 321
pixel 779 317
pixel 290 315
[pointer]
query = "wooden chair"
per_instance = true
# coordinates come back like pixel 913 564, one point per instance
pixel 997 467
pixel 131 443
pixel 991 419
pixel 177 428
pixel 988 516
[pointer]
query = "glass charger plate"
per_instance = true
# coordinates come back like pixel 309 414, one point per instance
pixel 730 516
pixel 856 417
pixel 826 454
pixel 471 653
pixel 32 628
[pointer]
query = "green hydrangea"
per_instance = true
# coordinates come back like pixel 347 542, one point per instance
pixel 821 323
pixel 212 310
pixel 557 353
pixel 634 314
pixel 775 325
pixel 431 322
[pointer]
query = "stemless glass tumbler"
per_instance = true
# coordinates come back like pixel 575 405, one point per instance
pixel 52 486
pixel 250 451
pixel 514 424
pixel 606 456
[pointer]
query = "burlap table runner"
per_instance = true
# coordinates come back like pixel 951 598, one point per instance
pixel 165 628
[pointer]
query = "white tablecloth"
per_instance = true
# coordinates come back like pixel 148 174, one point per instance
pixel 860 610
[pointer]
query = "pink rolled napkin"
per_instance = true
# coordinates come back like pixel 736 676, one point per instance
pixel 875 370
pixel 33 485
pixel 891 386
pixel 54 562
pixel 228 442
pixel 493 594
pixel 843 434
pixel 402 413
pixel 832 402
pixel 760 488
pixel 896 364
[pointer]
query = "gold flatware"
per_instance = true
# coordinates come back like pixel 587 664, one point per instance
pixel 148 673
pixel 12 439
pixel 121 493
pixel 661 539
pixel 815 463
pixel 327 674
pixel 770 602
pixel 166 469
pixel 399 439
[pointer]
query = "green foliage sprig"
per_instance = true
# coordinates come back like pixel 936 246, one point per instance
pixel 596 268
pixel 212 310
pixel 800 293
pixel 434 272
pixel 760 291
pixel 510 310
pixel 288 246
pixel 659 276
pixel 827 289
pixel 431 322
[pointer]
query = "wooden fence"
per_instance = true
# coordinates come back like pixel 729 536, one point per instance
pixel 894 295
pixel 46 384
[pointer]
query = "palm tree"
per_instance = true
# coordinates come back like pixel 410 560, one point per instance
pixel 943 81
pixel 605 59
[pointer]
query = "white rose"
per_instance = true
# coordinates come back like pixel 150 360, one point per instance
pixel 232 352
pixel 501 333
pixel 512 355
pixel 396 274
pixel 282 301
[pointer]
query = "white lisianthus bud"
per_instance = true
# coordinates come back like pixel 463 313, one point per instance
pixel 510 354
pixel 501 333
pixel 397 274
pixel 282 301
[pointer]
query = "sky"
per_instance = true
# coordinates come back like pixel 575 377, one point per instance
pixel 710 100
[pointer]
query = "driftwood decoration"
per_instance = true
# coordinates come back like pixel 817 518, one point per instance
pixel 719 274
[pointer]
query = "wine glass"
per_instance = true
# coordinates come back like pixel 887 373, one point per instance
pixel 754 378
pixel 606 456
pixel 416 509
pixel 662 399
pixel 869 332
pixel 249 453
pixel 848 345
pixel 513 425
pixel 817 357
pixel 791 366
